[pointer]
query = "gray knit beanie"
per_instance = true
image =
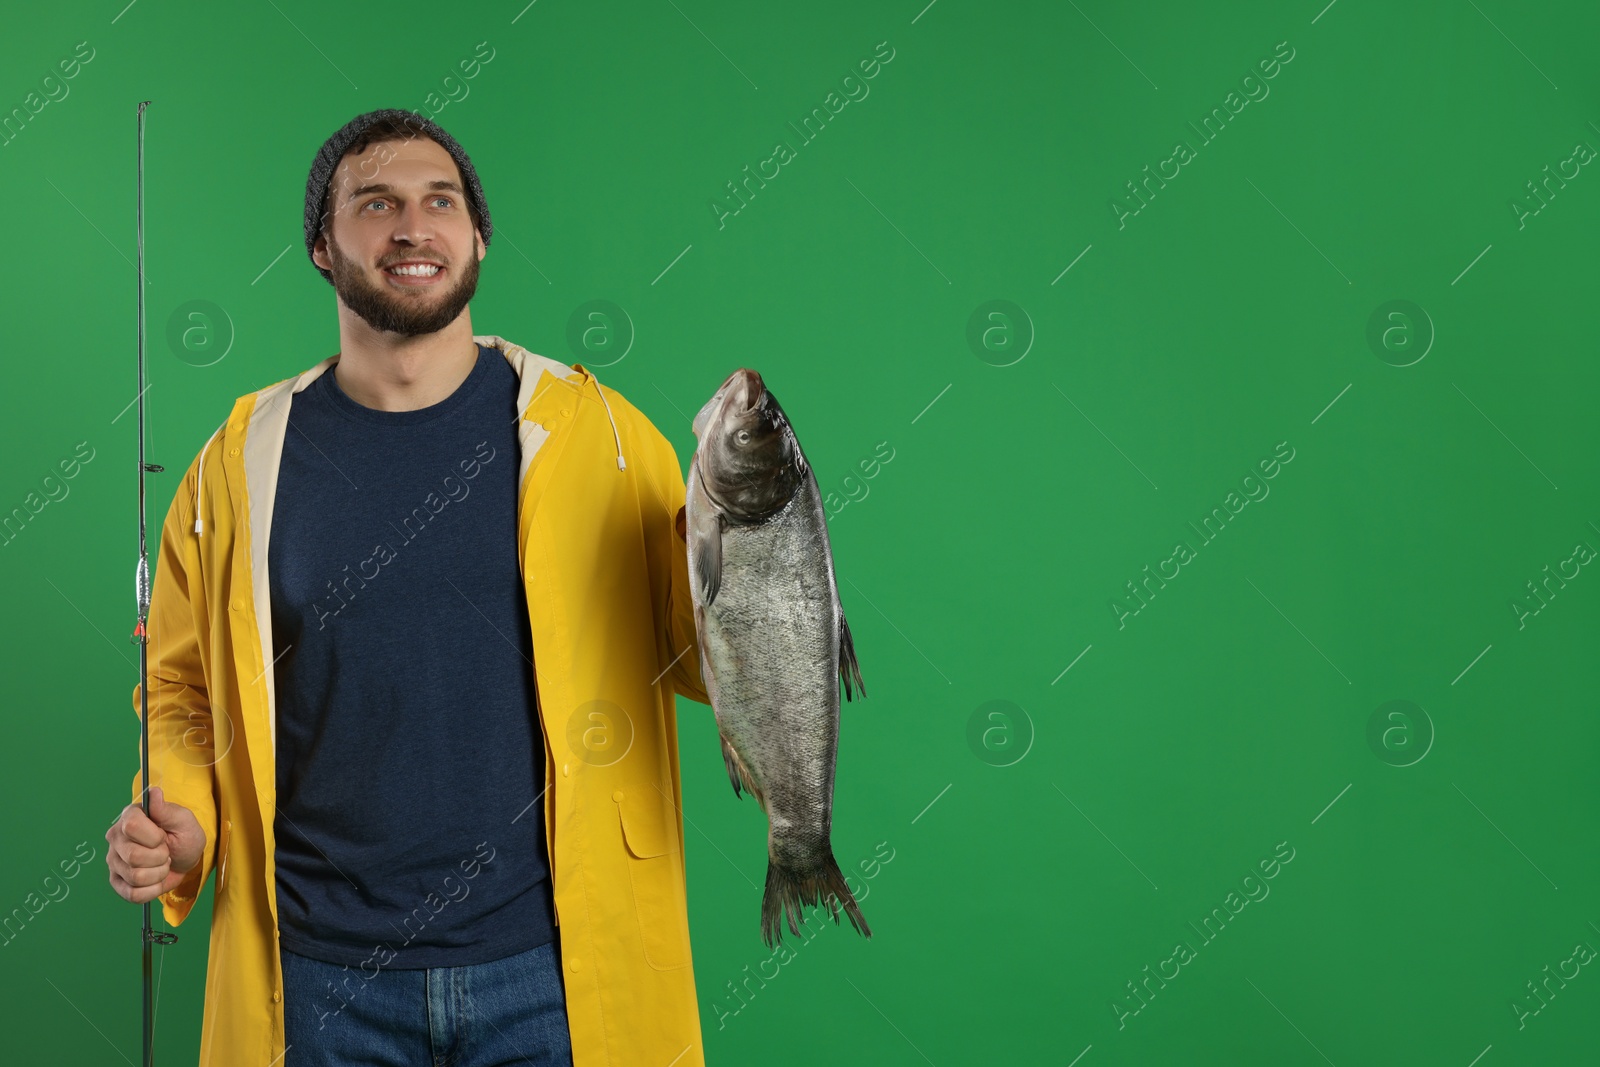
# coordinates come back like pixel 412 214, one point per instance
pixel 327 160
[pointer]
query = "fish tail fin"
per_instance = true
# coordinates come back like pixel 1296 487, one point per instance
pixel 787 890
pixel 849 669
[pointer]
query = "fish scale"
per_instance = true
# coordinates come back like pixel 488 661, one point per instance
pixel 771 626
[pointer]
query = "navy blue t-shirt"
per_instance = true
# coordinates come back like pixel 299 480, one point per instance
pixel 409 746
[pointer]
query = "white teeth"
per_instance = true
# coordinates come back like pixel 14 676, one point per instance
pixel 415 271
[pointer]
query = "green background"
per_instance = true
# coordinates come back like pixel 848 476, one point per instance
pixel 1231 313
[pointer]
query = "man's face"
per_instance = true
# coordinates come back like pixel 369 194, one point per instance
pixel 400 203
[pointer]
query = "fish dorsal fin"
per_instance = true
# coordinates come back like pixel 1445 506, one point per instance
pixel 849 668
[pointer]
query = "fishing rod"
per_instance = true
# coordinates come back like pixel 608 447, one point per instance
pixel 140 636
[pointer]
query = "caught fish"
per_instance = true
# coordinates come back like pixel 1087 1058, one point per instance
pixel 774 645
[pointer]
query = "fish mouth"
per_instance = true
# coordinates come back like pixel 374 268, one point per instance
pixel 744 389
pixel 739 395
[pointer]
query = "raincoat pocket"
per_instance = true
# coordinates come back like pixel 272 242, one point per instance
pixel 655 867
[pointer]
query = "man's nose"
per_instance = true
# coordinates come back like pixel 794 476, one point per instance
pixel 412 224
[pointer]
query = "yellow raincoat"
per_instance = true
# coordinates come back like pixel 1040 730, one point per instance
pixel 607 583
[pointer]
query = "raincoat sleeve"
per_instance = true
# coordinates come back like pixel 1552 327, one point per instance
pixel 669 566
pixel 182 749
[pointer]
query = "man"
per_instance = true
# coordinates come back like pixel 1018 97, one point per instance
pixel 432 585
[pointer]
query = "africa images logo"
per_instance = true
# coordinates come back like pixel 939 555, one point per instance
pixel 455 489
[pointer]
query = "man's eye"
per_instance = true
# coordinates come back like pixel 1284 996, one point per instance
pixel 375 203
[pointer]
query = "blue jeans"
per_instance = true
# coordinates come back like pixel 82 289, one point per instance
pixel 507 1011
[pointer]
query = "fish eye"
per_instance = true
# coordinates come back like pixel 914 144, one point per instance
pixel 743 437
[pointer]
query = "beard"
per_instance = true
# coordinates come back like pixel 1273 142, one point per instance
pixel 409 313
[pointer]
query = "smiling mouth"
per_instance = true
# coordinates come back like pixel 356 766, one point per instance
pixel 415 273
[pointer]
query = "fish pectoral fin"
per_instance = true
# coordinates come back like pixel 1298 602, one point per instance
pixel 738 773
pixel 849 668
pixel 707 542
pixel 708 677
